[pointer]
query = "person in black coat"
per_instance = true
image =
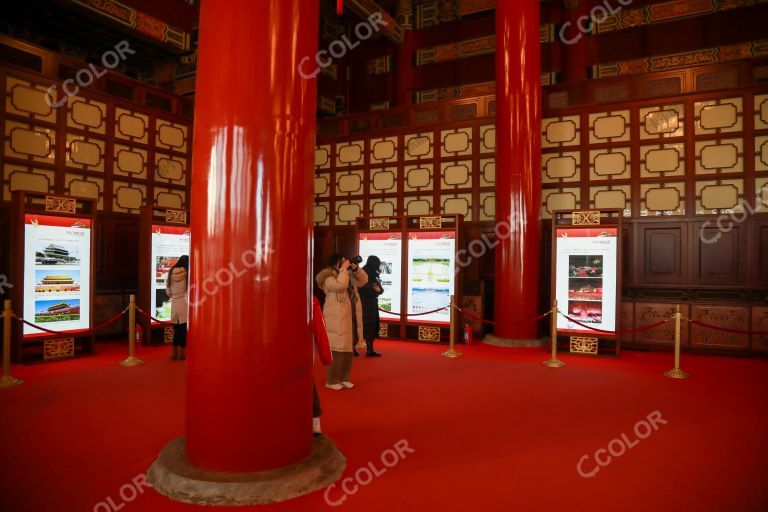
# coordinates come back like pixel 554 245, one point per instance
pixel 369 297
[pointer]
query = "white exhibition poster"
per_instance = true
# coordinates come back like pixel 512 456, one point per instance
pixel 431 274
pixel 388 247
pixel 57 273
pixel 586 271
pixel 169 243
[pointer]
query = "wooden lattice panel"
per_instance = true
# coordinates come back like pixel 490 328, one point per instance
pixel 58 348
pixel 429 333
pixel 583 345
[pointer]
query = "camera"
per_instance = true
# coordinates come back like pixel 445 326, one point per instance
pixel 356 260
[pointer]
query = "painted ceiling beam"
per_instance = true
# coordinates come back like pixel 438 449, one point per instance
pixel 390 28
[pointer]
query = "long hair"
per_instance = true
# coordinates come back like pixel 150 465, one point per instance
pixel 334 259
pixel 372 266
pixel 183 262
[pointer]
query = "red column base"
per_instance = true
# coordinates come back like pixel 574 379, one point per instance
pixel 172 476
pixel 491 339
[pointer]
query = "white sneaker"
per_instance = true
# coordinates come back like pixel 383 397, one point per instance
pixel 348 385
pixel 316 426
pixel 335 387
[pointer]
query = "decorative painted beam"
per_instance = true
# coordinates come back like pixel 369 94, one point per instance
pixel 455 51
pixel 715 55
pixel 390 28
pixel 666 11
pixel 138 21
pixel 430 14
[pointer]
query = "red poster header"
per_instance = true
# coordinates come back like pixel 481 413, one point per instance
pixel 170 230
pixel 432 235
pixel 586 232
pixel 380 236
pixel 51 220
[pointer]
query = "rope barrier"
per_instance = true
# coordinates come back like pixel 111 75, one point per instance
pixel 627 331
pixel 147 315
pixel 79 331
pixel 491 322
pixel 725 329
pixel 413 314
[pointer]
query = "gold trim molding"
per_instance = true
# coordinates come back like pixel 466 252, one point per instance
pixel 60 204
pixel 168 335
pixel 176 216
pixel 58 348
pixel 586 218
pixel 383 330
pixel 430 222
pixel 378 224
pixel 583 345
pixel 429 333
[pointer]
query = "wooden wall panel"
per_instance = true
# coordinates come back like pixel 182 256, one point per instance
pixel 722 261
pixel 663 250
pixel 731 317
pixel 649 313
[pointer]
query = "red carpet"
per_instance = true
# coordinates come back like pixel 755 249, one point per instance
pixel 494 430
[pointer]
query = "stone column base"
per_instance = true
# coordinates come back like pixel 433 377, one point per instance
pixel 174 477
pixel 503 342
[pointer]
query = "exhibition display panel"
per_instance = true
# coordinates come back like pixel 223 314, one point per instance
pixel 586 270
pixel 164 238
pixel 418 276
pixel 53 247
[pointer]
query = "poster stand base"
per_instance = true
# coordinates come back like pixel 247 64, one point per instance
pixel 553 363
pixel 131 361
pixel 491 339
pixel 8 382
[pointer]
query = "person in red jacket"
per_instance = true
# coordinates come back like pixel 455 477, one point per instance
pixel 324 351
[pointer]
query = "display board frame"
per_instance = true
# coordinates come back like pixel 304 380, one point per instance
pixel 153 332
pixel 585 341
pixel 411 327
pixel 47 347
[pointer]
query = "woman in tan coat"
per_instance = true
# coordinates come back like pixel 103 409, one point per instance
pixel 176 288
pixel 343 316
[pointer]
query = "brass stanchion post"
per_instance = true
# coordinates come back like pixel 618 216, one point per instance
pixel 6 381
pixel 131 360
pixel 451 352
pixel 676 372
pixel 553 362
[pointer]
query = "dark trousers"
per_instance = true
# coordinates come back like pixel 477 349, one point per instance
pixel 180 335
pixel 316 410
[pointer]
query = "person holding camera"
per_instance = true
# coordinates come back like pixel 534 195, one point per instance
pixel 343 315
pixel 370 296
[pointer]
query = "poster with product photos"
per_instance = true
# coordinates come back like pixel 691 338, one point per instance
pixel 586 269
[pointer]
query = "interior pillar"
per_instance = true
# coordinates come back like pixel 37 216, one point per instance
pixel 249 367
pixel 518 155
pixel 576 42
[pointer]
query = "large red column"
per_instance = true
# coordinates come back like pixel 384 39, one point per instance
pixel 249 382
pixel 518 148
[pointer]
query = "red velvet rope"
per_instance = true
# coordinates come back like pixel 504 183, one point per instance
pixel 628 331
pixel 147 315
pixel 725 329
pixel 79 331
pixel 339 7
pixel 491 322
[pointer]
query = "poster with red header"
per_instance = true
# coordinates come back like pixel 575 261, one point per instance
pixel 169 243
pixel 57 273
pixel 431 274
pixel 586 276
pixel 388 247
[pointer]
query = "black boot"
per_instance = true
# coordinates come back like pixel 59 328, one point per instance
pixel 354 351
pixel 370 352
